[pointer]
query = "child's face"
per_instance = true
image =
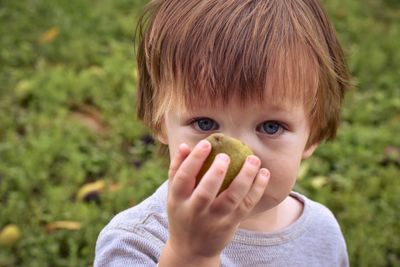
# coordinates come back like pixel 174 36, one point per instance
pixel 276 134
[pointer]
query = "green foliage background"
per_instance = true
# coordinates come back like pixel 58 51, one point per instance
pixel 67 118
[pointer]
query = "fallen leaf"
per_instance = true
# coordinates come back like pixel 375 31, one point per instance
pixel 391 155
pixel 9 235
pixel 89 189
pixel 49 35
pixel 88 116
pixel 23 88
pixel 68 225
pixel 319 181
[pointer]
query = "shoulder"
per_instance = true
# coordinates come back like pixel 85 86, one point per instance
pixel 141 214
pixel 321 217
pixel 323 231
pixel 135 235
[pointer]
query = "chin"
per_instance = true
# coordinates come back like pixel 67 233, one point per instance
pixel 270 201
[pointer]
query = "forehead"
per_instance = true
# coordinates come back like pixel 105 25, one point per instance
pixel 287 81
pixel 268 103
pixel 273 98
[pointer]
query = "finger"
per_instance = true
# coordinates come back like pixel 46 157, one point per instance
pixel 211 182
pixel 184 179
pixel 231 198
pixel 254 195
pixel 183 152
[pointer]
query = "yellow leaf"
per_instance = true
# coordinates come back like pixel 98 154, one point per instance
pixel 9 235
pixel 95 187
pixel 23 88
pixel 49 35
pixel 68 225
pixel 319 181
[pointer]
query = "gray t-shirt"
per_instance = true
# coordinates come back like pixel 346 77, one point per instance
pixel 136 237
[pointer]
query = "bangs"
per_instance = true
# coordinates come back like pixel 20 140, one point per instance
pixel 284 77
pixel 257 52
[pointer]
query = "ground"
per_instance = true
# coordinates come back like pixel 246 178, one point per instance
pixel 67 120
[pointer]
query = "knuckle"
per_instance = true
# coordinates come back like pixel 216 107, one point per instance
pixel 249 172
pixel 219 171
pixel 203 197
pixel 172 206
pixel 198 155
pixel 182 174
pixel 248 203
pixel 172 170
pixel 226 224
pixel 232 199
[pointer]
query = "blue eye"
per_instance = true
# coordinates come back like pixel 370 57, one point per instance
pixel 205 124
pixel 271 127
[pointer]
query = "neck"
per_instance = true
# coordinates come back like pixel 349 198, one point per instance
pixel 275 219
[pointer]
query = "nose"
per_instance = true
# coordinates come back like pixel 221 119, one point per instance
pixel 248 139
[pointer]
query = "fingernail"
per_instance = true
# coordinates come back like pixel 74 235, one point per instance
pixel 253 160
pixel 204 144
pixel 223 157
pixel 182 146
pixel 264 172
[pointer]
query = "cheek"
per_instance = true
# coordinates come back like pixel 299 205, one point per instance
pixel 172 151
pixel 283 177
pixel 284 174
pixel 173 146
pixel 177 139
pixel 282 164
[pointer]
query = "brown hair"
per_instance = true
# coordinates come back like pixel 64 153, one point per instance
pixel 208 51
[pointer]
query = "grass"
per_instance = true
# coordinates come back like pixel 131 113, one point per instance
pixel 67 118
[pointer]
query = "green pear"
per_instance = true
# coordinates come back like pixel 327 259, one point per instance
pixel 235 149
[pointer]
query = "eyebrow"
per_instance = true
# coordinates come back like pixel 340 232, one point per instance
pixel 193 110
pixel 283 108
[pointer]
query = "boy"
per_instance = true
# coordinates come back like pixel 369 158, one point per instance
pixel 268 72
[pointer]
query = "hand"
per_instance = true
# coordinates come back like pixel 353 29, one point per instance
pixel 201 222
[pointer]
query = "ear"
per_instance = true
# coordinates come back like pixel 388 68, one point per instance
pixel 162 137
pixel 309 150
